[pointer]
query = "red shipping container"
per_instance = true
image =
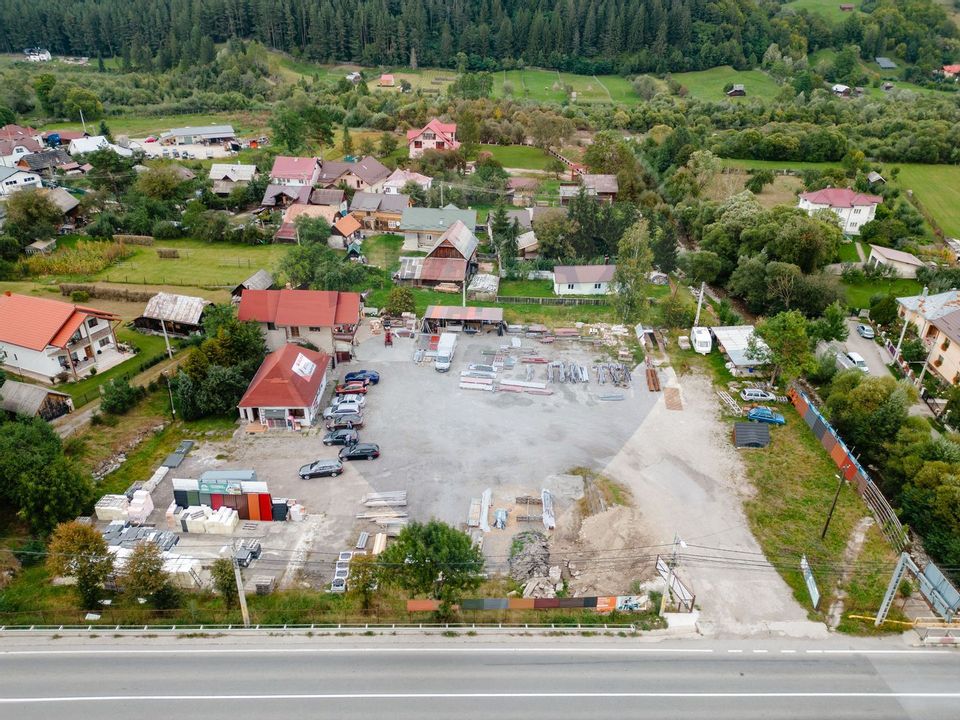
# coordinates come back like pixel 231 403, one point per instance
pixel 216 501
pixel 266 507
pixel 253 506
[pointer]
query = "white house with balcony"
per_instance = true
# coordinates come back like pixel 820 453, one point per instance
pixel 853 209
pixel 435 135
pixel 57 338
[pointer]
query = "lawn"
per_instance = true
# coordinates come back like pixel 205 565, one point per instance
pixel 777 164
pixel 829 9
pixel 383 251
pixel 859 294
pixel 795 483
pixel 518 156
pixel 848 252
pixel 937 187
pixel 526 288
pixel 200 264
pixel 150 346
pixel 709 84
pixel 245 122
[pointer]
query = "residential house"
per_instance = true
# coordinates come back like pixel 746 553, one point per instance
pixel 853 209
pixel 528 247
pixel 199 135
pixel 13 179
pixel 45 162
pixel 435 135
pixel 59 337
pixel 333 197
pixel 951 71
pixel 85 145
pixel 452 260
pixel 172 315
pixel 366 174
pixel 283 196
pixel 227 176
pixel 738 90
pixel 287 391
pixel 523 218
pixel 68 205
pixel 378 212
pixel 943 345
pixel 295 170
pixel 26 399
pixel 288 227
pixel 260 280
pixel 922 310
pixel 326 319
pixel 387 81
pixel 17 141
pixel 522 191
pixel 841 90
pixel 394 184
pixel 906 264
pixel 56 138
pixel 422 227
pixel 583 279
pixel 603 187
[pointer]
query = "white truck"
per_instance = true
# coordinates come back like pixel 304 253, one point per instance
pixel 445 350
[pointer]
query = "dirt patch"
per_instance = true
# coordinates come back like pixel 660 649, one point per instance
pixel 600 492
pixel 850 555
pixel 782 191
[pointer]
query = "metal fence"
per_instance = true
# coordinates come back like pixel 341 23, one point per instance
pixel 515 300
pixel 850 469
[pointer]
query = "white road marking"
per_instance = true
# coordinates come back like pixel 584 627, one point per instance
pixel 760 651
pixel 370 649
pixel 734 651
pixel 787 651
pixel 475 695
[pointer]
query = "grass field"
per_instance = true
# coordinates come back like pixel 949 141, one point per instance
pixel 795 483
pixel 200 264
pixel 383 251
pixel 828 9
pixel 859 294
pixel 518 156
pixel 937 187
pixel 782 191
pixel 848 252
pixel 551 86
pixel 777 164
pixel 709 84
pixel 526 288
pixel 245 122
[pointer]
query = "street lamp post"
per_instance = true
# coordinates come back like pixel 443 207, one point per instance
pixel 832 507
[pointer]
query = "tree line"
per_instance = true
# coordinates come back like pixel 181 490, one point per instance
pixel 587 36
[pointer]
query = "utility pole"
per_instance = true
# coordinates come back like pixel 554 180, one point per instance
pixel 903 330
pixel 696 321
pixel 241 594
pixel 832 507
pixel 673 561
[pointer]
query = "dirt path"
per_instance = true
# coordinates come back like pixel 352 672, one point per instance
pixel 850 555
pixel 67 425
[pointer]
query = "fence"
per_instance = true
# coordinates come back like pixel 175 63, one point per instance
pixel 515 300
pixel 81 400
pixel 851 469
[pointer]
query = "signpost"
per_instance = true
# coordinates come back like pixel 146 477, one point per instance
pixel 811 582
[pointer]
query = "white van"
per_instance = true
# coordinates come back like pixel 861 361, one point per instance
pixel 700 340
pixel 858 362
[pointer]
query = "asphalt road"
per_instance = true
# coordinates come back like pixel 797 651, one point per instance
pixel 868 349
pixel 453 678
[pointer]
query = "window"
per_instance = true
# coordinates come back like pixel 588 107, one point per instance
pixel 597 286
pixel 315 329
pixel 440 145
pixel 946 344
pixel 295 331
pixel 417 144
pixel 92 322
pixel 271 326
pixel 570 286
pixel 104 342
pixel 856 211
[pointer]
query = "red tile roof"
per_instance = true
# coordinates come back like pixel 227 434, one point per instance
pixel 951 69
pixel 36 323
pixel 301 308
pixel 446 131
pixel 841 198
pixel 278 384
pixel 294 168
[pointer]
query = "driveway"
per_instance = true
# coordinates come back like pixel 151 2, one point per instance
pixel 873 353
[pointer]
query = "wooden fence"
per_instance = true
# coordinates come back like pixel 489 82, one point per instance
pixel 514 300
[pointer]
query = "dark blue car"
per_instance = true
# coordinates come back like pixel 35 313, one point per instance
pixel 371 377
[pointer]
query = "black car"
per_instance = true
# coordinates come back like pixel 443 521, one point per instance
pixel 321 468
pixel 360 451
pixel 346 436
pixel 368 377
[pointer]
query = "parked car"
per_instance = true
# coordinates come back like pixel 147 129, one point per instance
pixel 338 409
pixel 347 421
pixel 766 415
pixel 360 451
pixel 370 377
pixel 757 395
pixel 858 362
pixel 321 468
pixel 351 388
pixel 346 436
pixel 348 400
pixel 865 331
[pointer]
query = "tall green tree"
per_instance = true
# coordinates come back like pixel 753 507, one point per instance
pixel 288 128
pixel 80 551
pixel 634 262
pixel 786 345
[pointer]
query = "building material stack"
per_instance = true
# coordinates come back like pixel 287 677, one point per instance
pixel 112 507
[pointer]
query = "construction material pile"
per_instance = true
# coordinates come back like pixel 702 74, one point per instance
pixel 383 509
pixel 121 534
pixel 616 373
pixel 530 556
pixel 202 519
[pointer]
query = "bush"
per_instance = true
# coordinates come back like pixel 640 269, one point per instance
pixel 676 313
pixel 79 296
pixel 31 552
pixel 119 396
pixel 166 230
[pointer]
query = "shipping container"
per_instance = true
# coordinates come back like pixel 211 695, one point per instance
pixel 266 507
pixel 253 506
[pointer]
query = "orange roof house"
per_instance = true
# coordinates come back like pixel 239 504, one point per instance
pixel 287 391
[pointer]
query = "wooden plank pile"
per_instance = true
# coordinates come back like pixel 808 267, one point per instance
pixel 393 498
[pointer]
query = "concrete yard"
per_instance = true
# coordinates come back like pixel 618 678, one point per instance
pixel 445 445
